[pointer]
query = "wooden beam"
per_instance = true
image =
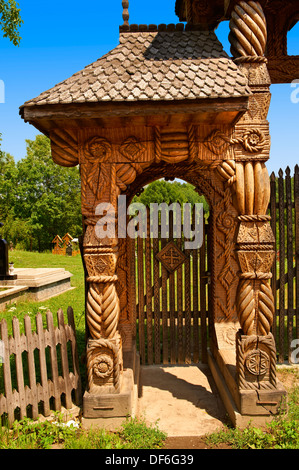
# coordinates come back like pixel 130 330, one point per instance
pixel 283 69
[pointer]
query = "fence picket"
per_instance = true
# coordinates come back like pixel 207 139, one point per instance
pixel 31 366
pixel 296 204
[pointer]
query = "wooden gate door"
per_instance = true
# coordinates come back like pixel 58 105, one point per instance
pixel 171 298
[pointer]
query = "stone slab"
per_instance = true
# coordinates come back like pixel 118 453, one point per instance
pixel 37 277
pixel 182 399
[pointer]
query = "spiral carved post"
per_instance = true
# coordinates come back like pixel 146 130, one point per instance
pixel 256 352
pixel 255 345
pixel 104 351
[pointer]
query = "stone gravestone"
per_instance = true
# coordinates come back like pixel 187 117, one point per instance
pixel 69 250
pixel 4 267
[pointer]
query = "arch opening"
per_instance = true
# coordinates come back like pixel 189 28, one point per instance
pixel 171 277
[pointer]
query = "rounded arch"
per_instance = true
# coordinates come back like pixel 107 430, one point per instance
pixel 197 174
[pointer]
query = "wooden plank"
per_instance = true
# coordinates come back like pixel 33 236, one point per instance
pixel 140 261
pixel 180 314
pixel 148 286
pixel 281 199
pixel 31 366
pixel 290 256
pixel 7 373
pixel 195 255
pixel 64 360
pixel 172 300
pixel 296 203
pixel 42 363
pixel 274 266
pixel 19 367
pixel 164 303
pixel 203 298
pixel 133 280
pixel 187 290
pixel 75 356
pixel 156 287
pixel 54 365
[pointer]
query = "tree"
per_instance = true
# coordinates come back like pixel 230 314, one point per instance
pixel 163 191
pixel 38 199
pixel 10 20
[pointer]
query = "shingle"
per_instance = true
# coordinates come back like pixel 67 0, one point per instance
pixel 154 66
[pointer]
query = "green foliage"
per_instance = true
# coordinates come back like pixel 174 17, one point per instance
pixel 163 191
pixel 38 199
pixel 28 434
pixel 138 435
pixel 280 433
pixel 10 20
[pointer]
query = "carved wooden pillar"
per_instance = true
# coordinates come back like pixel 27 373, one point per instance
pixel 256 351
pixel 104 345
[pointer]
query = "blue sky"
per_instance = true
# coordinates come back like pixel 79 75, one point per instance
pixel 60 38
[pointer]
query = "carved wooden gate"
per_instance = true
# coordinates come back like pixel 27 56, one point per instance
pixel 171 285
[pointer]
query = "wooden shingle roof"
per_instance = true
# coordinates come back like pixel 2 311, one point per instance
pixel 153 66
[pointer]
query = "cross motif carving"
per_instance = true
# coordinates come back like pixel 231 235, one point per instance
pixel 171 257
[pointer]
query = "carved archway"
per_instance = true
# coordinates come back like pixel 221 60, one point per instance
pixel 142 111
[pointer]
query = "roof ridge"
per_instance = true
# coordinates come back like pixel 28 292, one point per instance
pixel 171 27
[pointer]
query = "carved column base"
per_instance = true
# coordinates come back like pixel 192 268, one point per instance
pixel 102 406
pixel 104 365
pixel 256 362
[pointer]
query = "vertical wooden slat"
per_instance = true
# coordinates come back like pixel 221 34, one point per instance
pixel 31 366
pixel 172 300
pixel 187 290
pixel 296 199
pixel 203 298
pixel 156 300
pixel 148 284
pixel 140 261
pixel 7 373
pixel 273 211
pixel 132 280
pixel 54 364
pixel 195 254
pixel 75 356
pixel 290 255
pixel 164 301
pixel 19 367
pixel 180 319
pixel 281 205
pixel 42 362
pixel 64 360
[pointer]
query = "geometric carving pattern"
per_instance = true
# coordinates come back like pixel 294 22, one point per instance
pixel 171 257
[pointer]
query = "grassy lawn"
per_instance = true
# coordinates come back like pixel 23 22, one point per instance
pixel 73 298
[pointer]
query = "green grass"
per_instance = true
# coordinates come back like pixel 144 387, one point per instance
pixel 281 433
pixel 27 434
pixel 74 298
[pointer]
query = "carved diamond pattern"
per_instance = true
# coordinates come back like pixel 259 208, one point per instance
pixel 132 149
pixel 171 257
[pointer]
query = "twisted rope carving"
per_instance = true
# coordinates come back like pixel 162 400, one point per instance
pixel 110 310
pixel 254 218
pixel 94 311
pixel 158 148
pixel 248 36
pixel 192 144
pixel 265 308
pixel 227 170
pixel 255 304
pixel 246 307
